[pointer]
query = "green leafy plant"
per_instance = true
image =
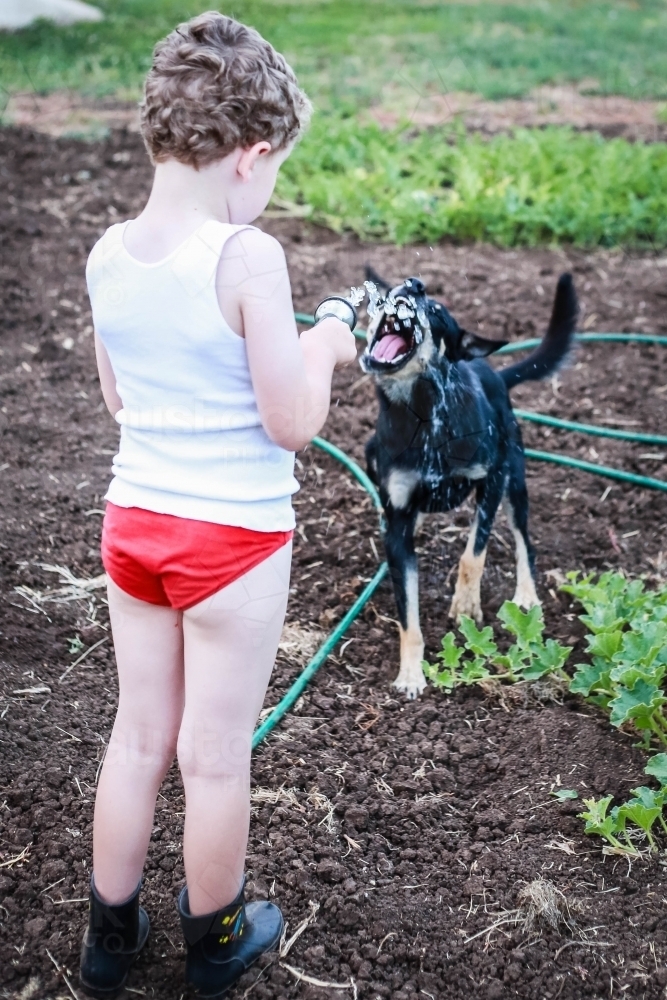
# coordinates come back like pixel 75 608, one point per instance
pixel 563 794
pixel 75 645
pixel 643 810
pixel 628 649
pixel 627 644
pixel 528 658
pixel 525 188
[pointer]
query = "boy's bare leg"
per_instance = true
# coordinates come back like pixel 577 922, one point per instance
pixel 149 653
pixel 231 641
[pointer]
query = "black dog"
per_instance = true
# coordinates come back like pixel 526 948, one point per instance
pixel 445 428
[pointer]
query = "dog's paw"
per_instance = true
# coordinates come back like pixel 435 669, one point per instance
pixel 526 596
pixel 466 604
pixel 410 682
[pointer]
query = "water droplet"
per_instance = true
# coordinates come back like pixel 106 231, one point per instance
pixel 375 300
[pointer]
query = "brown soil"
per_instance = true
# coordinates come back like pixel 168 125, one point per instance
pixel 413 826
pixel 66 113
pixel 612 116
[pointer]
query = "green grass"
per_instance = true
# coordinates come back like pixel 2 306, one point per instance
pixel 357 53
pixel 534 186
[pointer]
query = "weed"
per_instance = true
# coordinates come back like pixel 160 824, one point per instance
pixel 563 794
pixel 551 185
pixel 299 644
pixel 75 645
pixel 276 796
pixel 321 803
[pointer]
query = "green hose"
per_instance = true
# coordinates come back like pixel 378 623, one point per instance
pixel 571 425
pixel 590 338
pixel 352 467
pixel 598 470
pixel 311 668
pixel 307 674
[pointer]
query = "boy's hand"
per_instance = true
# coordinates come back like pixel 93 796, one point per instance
pixel 336 336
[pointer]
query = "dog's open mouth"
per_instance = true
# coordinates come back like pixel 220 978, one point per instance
pixel 397 336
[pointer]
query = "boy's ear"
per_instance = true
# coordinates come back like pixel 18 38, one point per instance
pixel 249 158
pixel 471 345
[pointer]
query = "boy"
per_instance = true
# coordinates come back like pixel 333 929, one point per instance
pixel 201 365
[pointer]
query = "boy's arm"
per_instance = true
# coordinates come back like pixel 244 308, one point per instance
pixel 291 375
pixel 107 378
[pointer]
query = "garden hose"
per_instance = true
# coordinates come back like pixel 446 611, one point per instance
pixel 597 470
pixel 571 425
pixel 306 675
pixel 311 668
pixel 591 338
pixel 352 467
pixel 294 692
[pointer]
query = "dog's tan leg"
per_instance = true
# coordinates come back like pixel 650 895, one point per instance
pixel 411 678
pixel 525 595
pixel 466 600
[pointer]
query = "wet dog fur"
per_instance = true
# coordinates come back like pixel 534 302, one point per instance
pixel 446 429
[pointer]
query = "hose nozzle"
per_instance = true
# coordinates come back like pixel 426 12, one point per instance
pixel 341 308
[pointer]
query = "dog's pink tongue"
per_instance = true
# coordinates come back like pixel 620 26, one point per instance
pixel 390 347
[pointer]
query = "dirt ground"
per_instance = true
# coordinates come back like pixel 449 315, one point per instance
pixel 66 113
pixel 412 826
pixel 612 116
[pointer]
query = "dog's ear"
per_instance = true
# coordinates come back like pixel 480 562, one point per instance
pixel 373 276
pixel 471 345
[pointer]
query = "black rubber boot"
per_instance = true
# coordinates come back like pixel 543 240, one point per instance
pixel 222 945
pixel 114 937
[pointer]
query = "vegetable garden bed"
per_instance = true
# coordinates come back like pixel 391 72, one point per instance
pixel 416 828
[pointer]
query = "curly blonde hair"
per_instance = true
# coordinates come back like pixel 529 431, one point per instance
pixel 216 85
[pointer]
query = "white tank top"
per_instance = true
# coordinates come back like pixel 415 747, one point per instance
pixel 191 440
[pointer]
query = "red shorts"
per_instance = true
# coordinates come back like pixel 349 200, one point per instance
pixel 177 562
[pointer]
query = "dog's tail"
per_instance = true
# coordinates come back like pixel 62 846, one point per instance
pixel 557 341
